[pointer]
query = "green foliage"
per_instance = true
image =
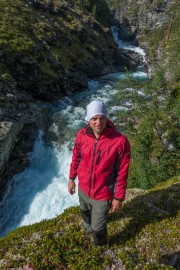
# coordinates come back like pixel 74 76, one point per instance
pixel 139 240
pixel 102 13
pixel 41 43
pixel 113 4
pixel 15 30
pixel 146 228
pixel 173 44
pixel 99 9
pixel 152 129
pixel 166 36
pixel 155 38
pixel 53 244
pixel 24 29
pixel 94 11
pixel 152 125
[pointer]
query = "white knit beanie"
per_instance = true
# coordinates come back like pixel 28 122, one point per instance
pixel 96 107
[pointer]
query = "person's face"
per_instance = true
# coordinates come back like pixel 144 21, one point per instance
pixel 98 123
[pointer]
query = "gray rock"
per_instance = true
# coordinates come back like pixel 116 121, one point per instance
pixel 8 137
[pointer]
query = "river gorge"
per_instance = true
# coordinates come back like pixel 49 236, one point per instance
pixel 40 191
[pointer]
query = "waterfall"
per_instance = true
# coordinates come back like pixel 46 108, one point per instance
pixel 125 45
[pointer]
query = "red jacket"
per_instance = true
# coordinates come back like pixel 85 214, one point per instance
pixel 101 164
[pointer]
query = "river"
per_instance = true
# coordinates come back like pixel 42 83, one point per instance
pixel 40 191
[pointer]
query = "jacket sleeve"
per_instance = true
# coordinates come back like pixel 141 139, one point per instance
pixel 76 158
pixel 122 167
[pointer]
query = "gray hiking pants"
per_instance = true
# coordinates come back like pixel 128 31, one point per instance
pixel 94 214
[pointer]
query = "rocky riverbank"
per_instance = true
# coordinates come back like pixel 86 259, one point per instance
pixel 21 117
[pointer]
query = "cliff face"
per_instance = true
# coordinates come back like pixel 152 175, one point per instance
pixel 149 24
pixel 136 17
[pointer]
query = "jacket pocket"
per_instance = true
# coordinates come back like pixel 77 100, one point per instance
pixel 98 157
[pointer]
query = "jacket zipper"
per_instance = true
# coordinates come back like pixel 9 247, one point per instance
pixel 90 177
pixel 98 157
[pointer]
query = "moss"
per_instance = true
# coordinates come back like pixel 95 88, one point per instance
pixel 169 182
pixel 15 29
pixel 147 228
pixel 152 246
pixel 47 70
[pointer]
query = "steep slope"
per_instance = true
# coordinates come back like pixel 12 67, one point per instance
pixel 143 235
pixel 50 47
pixel 154 24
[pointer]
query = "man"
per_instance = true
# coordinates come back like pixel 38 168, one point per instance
pixel 100 159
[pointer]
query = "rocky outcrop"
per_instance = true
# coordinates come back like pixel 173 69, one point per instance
pixel 147 24
pixel 20 118
pixel 130 60
pixel 135 17
pixel 8 135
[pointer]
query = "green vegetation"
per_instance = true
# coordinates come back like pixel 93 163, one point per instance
pixel 165 37
pixel 23 27
pixel 15 29
pixel 142 235
pixel 99 9
pixel 41 42
pixel 113 4
pixel 152 129
pixel 152 125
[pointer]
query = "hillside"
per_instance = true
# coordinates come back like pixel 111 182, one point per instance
pixel 50 47
pixel 142 235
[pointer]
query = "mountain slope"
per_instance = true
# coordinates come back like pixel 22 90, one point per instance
pixel 142 235
pixel 50 47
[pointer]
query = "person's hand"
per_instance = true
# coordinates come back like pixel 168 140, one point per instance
pixel 71 186
pixel 115 205
pixel 28 267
